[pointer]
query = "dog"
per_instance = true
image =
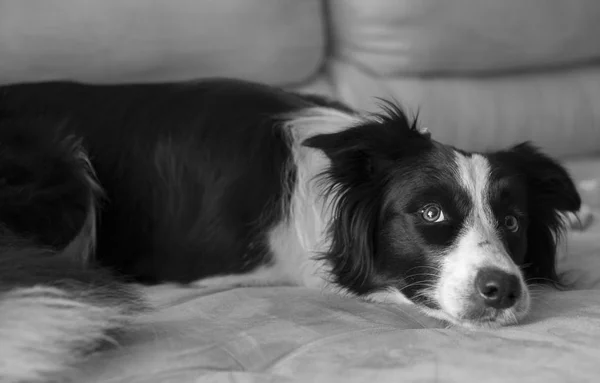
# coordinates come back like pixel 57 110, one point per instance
pixel 225 182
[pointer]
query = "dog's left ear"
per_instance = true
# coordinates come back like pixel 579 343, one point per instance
pixel 551 191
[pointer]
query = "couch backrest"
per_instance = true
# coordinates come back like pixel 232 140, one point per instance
pixel 274 41
pixel 421 37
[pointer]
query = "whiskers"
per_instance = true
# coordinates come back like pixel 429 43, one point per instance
pixel 494 318
pixel 421 284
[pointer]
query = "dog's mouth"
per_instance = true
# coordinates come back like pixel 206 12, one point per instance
pixel 475 318
pixel 490 318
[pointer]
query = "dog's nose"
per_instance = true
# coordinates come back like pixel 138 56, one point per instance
pixel 498 288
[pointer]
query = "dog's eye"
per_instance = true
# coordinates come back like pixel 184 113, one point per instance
pixel 432 213
pixel 511 223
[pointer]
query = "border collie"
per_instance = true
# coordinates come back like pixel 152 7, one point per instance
pixel 225 182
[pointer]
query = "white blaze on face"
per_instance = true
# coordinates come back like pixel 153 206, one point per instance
pixel 477 246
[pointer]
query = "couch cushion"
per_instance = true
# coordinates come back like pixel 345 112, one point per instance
pixel 275 41
pixel 558 110
pixel 432 36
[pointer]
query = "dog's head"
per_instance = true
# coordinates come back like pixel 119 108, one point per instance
pixel 459 234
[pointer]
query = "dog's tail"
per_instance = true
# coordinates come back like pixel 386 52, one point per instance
pixel 56 307
pixel 54 312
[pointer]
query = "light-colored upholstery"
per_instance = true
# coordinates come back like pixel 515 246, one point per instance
pixel 482 73
pixel 431 37
pixel 276 41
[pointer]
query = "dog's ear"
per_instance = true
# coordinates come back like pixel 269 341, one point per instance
pixel 45 188
pixel 551 192
pixel 363 152
pixel 353 157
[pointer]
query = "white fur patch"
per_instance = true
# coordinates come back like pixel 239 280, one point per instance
pixel 478 246
pixel 45 330
pixel 295 242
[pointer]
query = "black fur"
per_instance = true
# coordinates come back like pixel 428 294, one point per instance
pixel 179 164
pixel 43 186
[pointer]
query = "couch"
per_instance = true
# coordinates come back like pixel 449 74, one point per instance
pixel 482 74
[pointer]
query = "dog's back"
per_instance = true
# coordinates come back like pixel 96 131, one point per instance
pixel 174 159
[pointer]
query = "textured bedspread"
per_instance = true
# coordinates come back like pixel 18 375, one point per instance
pixel 292 334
